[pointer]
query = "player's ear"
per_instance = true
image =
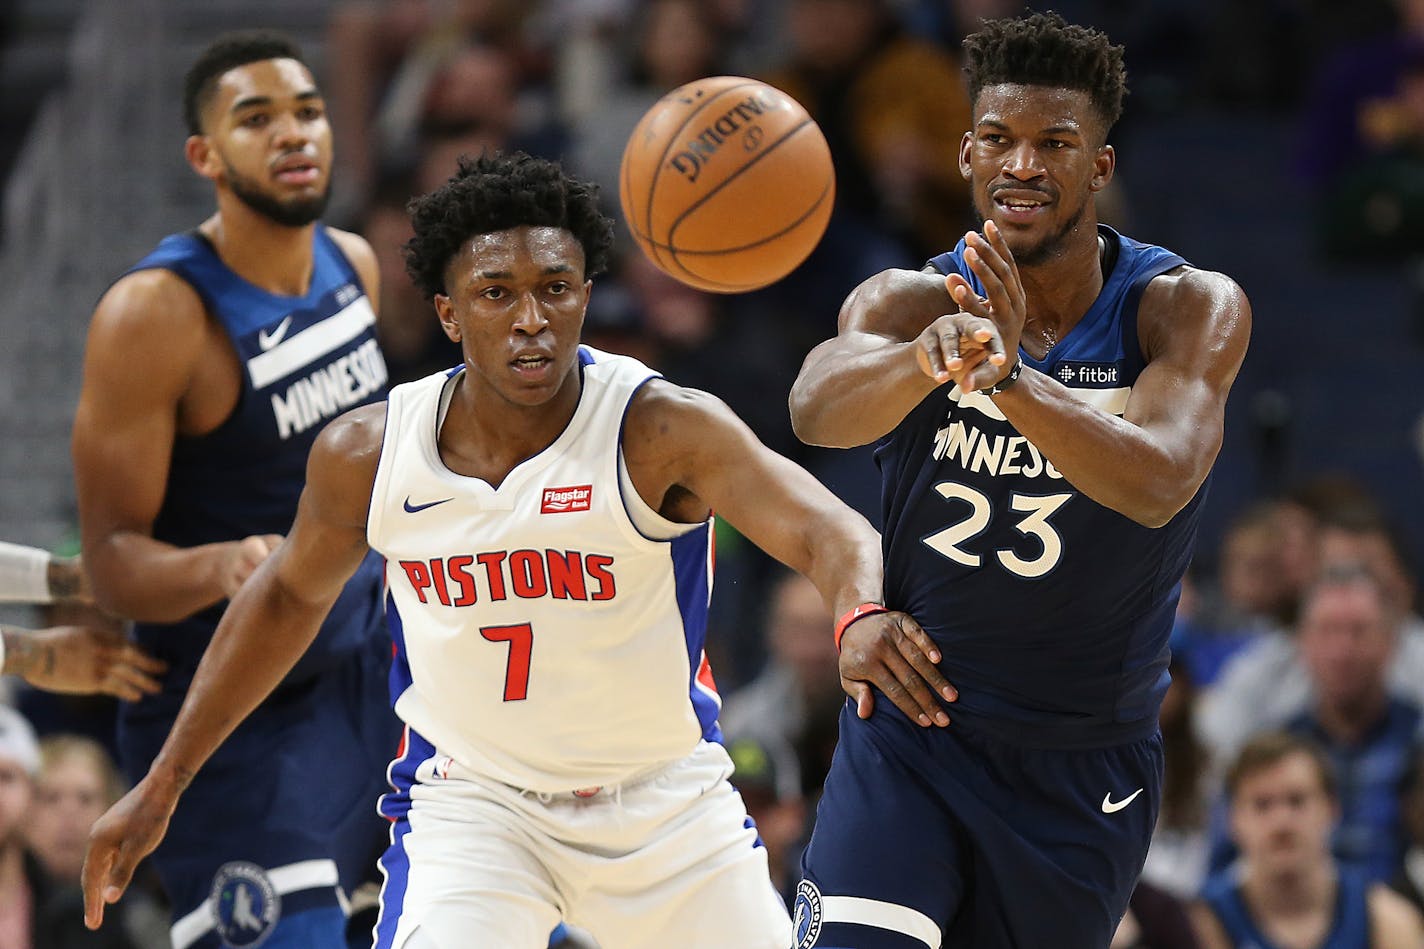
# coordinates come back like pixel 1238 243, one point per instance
pixel 1104 163
pixel 445 310
pixel 202 157
pixel 966 144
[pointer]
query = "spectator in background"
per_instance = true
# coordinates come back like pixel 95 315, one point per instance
pixel 76 782
pixel 1347 636
pixel 894 110
pixel 1266 685
pixel 769 779
pixel 1287 889
pixel 35 912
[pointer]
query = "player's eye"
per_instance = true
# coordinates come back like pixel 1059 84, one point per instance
pixel 558 287
pixel 254 121
pixel 493 293
pixel 310 113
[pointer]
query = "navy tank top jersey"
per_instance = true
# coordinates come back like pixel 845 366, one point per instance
pixel 1053 611
pixel 305 360
pixel 1349 929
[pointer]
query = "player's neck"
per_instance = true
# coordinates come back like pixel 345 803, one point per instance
pixel 486 436
pixel 1292 894
pixel 269 255
pixel 1060 290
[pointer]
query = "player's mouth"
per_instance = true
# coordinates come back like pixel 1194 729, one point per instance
pixel 533 366
pixel 1020 206
pixel 296 170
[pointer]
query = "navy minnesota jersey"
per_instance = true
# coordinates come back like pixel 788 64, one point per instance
pixel 305 360
pixel 1053 612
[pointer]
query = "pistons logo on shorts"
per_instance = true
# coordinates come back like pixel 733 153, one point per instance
pixel 806 915
pixel 245 904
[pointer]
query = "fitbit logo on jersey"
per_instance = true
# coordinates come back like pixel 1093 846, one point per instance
pixel 564 500
pixel 699 150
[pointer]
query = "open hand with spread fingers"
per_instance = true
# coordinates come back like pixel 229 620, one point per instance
pixel 978 346
pixel 890 652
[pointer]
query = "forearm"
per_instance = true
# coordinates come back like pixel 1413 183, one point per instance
pixel 138 577
pixel 852 392
pixel 24 574
pixel 263 633
pixel 1111 460
pixel 844 559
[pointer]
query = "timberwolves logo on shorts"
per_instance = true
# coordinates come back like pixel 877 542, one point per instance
pixel 806 915
pixel 245 905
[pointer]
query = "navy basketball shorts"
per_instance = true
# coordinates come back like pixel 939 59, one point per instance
pixel 929 837
pixel 280 825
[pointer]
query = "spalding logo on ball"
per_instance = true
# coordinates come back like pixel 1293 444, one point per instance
pixel 727 184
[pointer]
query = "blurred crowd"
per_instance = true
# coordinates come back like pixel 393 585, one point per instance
pixel 1298 637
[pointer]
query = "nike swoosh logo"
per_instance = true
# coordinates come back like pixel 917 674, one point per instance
pixel 412 508
pixel 1112 807
pixel 268 340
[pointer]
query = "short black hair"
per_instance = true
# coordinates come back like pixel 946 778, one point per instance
pixel 496 192
pixel 1043 49
pixel 225 53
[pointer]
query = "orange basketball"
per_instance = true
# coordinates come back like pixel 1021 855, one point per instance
pixel 727 184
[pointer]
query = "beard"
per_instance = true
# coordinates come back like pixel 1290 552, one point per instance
pixel 291 212
pixel 1047 247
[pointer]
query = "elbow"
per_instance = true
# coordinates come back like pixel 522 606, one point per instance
pixel 1157 508
pixel 806 421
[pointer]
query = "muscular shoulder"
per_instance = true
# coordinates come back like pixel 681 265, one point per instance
pixel 153 319
pixel 341 470
pixel 1394 921
pixel 897 304
pixel 1198 306
pixel 665 417
pixel 355 437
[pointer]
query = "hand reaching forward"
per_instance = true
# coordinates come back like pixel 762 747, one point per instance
pixel 82 660
pixel 890 652
pixel 128 832
pixel 974 347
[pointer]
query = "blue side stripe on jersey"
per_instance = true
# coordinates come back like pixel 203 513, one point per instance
pixel 690 555
pixel 395 867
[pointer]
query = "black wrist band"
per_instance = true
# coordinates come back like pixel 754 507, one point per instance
pixel 1008 380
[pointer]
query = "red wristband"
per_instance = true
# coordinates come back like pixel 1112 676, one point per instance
pixel 861 611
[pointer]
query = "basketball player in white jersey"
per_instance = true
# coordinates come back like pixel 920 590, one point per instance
pixel 545 514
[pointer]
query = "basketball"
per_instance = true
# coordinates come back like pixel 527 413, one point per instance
pixel 727 184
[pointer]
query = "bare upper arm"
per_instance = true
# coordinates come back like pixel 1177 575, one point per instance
pixel 328 537
pixel 146 342
pixel 363 259
pixel 1394 922
pixel 896 304
pixel 1193 326
pixel 687 452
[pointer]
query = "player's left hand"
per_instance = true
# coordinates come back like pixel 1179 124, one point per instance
pixel 1004 302
pixel 128 832
pixel 890 652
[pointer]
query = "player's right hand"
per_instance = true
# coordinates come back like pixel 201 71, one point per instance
pixel 84 660
pixel 244 557
pixel 963 348
pixel 890 652
pixel 128 832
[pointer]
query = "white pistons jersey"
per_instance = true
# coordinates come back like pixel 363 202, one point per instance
pixel 549 631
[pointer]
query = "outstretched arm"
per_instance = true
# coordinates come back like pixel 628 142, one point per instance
pixel 900 338
pixel 80 660
pixel 263 633
pixel 688 453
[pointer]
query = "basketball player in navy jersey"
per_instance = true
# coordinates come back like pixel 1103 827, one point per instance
pixel 1288 889
pixel 544 509
pixel 1047 402
pixel 210 368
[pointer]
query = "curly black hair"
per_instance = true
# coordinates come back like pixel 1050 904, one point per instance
pixel 496 192
pixel 225 53
pixel 1043 49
